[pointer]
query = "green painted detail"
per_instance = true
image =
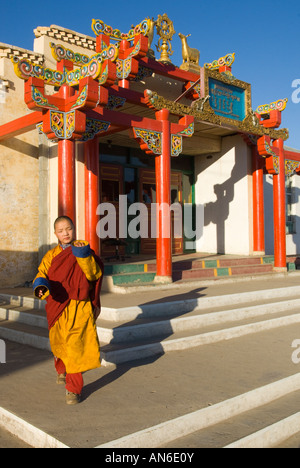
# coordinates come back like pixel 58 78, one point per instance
pixel 133 278
pixel 211 263
pixel 125 268
pixel 291 267
pixel 222 271
pixel 268 260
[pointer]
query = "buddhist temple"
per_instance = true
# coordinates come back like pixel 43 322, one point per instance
pixel 107 130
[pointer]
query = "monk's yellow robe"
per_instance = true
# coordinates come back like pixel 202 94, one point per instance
pixel 71 276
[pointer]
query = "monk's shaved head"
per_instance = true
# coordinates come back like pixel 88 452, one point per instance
pixel 63 218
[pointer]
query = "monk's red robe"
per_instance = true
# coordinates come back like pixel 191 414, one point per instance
pixel 72 278
pixel 67 281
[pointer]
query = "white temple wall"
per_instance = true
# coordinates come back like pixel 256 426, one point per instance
pixel 224 189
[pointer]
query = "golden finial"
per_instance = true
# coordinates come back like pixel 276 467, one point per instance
pixel 165 30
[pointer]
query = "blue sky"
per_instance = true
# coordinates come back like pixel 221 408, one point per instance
pixel 264 34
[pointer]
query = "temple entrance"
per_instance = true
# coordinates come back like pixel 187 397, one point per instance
pixel 147 189
pixel 138 185
pixel 111 187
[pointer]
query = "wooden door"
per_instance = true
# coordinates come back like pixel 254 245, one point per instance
pixel 147 190
pixel 111 187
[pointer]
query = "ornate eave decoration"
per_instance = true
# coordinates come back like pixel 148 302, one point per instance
pixel 225 61
pixel 202 111
pixel 127 65
pixel 131 46
pixel 150 140
pixel 278 105
pixel 99 27
pixel 94 67
pixel 60 52
pixel 62 126
pixel 271 156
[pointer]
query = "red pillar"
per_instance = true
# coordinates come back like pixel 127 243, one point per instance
pixel 66 179
pixel 258 203
pixel 279 202
pixel 163 199
pixel 91 192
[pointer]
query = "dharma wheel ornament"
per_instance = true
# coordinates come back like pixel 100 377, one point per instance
pixel 166 31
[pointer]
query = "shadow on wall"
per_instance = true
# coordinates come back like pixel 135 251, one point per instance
pixel 217 212
pixel 21 146
pixel 17 268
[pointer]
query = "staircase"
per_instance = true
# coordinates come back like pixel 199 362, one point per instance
pixel 138 332
pixel 264 414
pixel 118 277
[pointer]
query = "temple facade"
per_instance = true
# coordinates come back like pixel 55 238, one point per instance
pixel 100 129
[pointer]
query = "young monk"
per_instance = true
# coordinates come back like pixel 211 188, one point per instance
pixel 69 278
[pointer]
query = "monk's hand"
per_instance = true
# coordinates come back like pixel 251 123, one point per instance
pixel 79 244
pixel 41 291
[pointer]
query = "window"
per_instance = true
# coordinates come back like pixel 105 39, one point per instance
pixel 290 206
pixel 130 179
pixel 149 193
pixel 110 191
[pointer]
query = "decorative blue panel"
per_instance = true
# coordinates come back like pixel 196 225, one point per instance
pixel 227 100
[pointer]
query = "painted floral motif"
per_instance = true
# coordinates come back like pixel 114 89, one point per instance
pixel 150 138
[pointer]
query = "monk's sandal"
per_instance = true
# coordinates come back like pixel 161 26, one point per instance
pixel 72 398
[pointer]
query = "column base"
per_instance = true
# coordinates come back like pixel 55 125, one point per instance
pixel 259 253
pixel 163 279
pixel 280 269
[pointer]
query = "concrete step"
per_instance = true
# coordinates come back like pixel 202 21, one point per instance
pixel 11 305
pixel 265 415
pixel 261 418
pixel 194 323
pixel 8 440
pixel 125 352
pixel 22 333
pixel 145 346
pixel 169 308
pixel 134 333
pixel 241 392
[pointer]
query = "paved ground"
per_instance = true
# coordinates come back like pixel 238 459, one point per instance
pixel 121 400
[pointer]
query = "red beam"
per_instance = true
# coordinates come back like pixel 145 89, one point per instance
pixel 122 120
pixel 21 125
pixel 168 70
pixel 293 155
pixel 131 96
